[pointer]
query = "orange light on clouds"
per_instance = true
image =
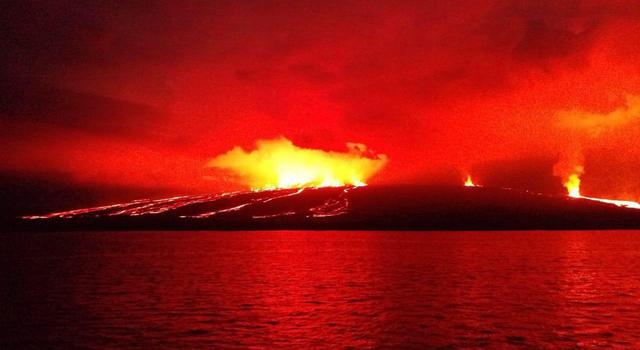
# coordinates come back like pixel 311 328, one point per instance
pixel 278 163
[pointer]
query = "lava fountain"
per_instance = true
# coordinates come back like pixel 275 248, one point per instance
pixel 469 182
pixel 573 185
pixel 278 163
pixel 573 188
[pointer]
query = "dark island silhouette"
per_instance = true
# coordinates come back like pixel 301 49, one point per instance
pixel 399 207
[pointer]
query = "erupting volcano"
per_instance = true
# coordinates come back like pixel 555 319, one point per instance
pixel 278 119
pixel 290 187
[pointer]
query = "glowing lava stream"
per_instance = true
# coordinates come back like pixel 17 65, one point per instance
pixel 573 188
pixel 198 206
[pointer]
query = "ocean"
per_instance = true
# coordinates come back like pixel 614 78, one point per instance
pixel 320 289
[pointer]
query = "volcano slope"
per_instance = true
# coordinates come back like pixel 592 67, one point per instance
pixel 346 208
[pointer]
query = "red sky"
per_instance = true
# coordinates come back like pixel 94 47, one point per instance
pixel 104 94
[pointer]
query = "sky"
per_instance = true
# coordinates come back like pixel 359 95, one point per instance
pixel 106 100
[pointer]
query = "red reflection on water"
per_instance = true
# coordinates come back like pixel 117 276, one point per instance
pixel 323 289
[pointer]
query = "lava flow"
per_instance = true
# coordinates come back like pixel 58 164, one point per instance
pixel 276 170
pixel 306 202
pixel 573 188
pixel 280 164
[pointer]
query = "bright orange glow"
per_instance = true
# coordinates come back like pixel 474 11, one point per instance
pixel 573 185
pixel 279 163
pixel 573 188
pixel 469 182
pixel 620 203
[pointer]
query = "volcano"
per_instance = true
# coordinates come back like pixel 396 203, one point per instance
pixel 399 207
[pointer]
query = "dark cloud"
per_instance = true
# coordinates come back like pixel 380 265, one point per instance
pixel 311 73
pixel 531 174
pixel 539 32
pixel 40 103
pixel 29 193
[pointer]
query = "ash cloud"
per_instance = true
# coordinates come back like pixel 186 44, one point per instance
pixel 596 124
